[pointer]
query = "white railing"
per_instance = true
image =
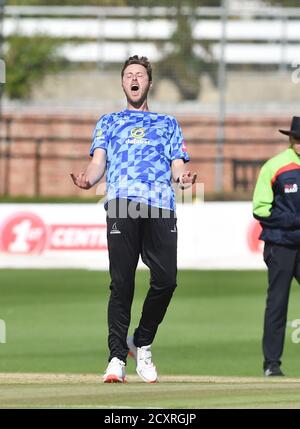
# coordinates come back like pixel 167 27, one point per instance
pixel 154 29
pixel 262 36
pixel 240 12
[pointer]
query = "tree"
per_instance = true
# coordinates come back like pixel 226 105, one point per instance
pixel 182 66
pixel 28 60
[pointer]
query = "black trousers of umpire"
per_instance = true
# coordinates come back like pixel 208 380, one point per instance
pixel 155 239
pixel 283 264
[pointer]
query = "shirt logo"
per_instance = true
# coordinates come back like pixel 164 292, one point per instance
pixel 99 135
pixel 137 133
pixel 290 188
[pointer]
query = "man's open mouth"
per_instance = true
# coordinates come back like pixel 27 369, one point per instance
pixel 134 87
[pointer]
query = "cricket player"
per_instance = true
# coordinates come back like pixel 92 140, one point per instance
pixel 276 204
pixel 141 152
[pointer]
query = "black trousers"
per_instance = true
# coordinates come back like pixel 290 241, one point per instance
pixel 283 264
pixel 154 237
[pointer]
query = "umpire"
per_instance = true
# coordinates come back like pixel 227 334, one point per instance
pixel 276 204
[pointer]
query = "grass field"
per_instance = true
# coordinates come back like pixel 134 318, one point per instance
pixel 208 350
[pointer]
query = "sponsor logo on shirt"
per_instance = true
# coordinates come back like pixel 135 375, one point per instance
pixel 99 134
pixel 290 188
pixel 137 135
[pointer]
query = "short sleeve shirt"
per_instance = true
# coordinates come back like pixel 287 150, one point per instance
pixel 140 147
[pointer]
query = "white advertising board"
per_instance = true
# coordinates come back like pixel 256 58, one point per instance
pixel 212 235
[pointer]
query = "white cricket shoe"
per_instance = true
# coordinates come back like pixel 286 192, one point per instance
pixel 144 365
pixel 115 371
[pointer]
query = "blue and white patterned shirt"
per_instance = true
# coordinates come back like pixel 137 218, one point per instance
pixel 140 147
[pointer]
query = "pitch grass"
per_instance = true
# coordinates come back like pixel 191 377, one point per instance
pixel 87 391
pixel 56 323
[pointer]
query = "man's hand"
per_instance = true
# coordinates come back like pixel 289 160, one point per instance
pixel 180 175
pixel 186 179
pixel 81 181
pixel 94 171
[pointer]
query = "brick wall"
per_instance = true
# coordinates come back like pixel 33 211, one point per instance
pixel 63 143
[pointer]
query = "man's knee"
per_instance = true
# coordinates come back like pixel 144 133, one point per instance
pixel 167 284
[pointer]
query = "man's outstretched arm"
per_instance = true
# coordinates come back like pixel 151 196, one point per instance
pixel 94 171
pixel 181 175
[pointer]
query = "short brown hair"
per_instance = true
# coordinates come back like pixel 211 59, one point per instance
pixel 143 61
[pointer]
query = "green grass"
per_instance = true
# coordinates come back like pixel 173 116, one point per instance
pixel 56 322
pixel 141 395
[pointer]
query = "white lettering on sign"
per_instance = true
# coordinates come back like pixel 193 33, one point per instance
pixel 24 234
pixel 78 237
